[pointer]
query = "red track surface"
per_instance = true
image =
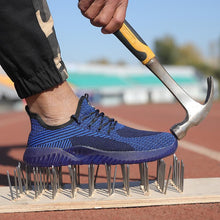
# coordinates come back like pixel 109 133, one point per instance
pixel 14 129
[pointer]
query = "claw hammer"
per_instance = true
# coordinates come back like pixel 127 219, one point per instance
pixel 195 112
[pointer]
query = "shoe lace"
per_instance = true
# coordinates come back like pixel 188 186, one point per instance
pixel 97 114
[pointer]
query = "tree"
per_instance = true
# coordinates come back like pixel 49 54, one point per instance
pixel 101 61
pixel 166 50
pixel 189 55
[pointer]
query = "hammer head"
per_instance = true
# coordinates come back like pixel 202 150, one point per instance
pixel 195 112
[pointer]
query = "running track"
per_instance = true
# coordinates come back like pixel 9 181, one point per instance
pixel 199 150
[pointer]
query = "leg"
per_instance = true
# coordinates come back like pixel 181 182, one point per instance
pixel 30 55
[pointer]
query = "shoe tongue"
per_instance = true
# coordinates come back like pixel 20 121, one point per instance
pixel 83 108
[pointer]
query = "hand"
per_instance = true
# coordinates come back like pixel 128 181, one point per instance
pixel 108 14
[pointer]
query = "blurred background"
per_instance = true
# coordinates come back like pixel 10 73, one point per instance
pixel 184 35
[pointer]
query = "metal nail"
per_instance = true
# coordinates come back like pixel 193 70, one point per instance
pixel 113 185
pixel 93 185
pixel 37 180
pixel 158 166
pixel 35 184
pixel 53 185
pixel 41 184
pixel 72 173
pixel 9 184
pixel 127 180
pixel 182 176
pixel 108 174
pixel 22 175
pixel 159 163
pixel 56 184
pixel 78 175
pixel 51 178
pixel 26 178
pixel 146 178
pixel 47 177
pixel 141 170
pixel 174 169
pixel 75 174
pixel 168 178
pixel 57 177
pixel 44 178
pixel 163 170
pixel 123 174
pixel 16 183
pixel 96 174
pixel 91 178
pixel 19 180
pixel 178 175
pixel 54 188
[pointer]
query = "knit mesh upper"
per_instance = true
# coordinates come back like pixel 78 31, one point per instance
pixel 77 132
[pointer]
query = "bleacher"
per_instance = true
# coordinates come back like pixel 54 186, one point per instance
pixel 111 84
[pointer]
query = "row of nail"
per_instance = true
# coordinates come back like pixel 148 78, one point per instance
pixel 19 181
pixel 92 178
pixel 178 174
pixel 43 178
pixel 50 178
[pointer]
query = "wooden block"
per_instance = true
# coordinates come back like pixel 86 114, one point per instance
pixel 205 190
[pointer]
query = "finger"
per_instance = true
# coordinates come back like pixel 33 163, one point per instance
pixel 84 5
pixel 94 9
pixel 116 21
pixel 105 15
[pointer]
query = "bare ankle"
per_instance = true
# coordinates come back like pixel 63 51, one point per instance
pixel 56 105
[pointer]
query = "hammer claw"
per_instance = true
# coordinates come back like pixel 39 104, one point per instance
pixel 195 112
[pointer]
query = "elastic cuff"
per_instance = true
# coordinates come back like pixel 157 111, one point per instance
pixel 43 79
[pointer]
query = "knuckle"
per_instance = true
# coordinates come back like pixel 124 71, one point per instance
pixel 89 15
pixel 95 23
pixel 117 21
pixel 101 21
pixel 82 7
pixel 109 30
pixel 106 31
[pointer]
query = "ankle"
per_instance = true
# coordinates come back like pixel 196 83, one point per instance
pixel 55 106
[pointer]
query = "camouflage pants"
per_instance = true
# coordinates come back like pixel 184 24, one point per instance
pixel 29 51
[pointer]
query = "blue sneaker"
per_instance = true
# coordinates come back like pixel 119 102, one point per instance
pixel 90 137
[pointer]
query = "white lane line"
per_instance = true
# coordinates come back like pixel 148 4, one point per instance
pixel 215 155
pixel 200 150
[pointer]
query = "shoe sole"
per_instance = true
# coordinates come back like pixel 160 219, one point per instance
pixel 47 157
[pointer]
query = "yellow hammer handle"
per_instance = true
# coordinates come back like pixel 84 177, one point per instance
pixel 130 38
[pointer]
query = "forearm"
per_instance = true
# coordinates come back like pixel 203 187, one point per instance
pixel 29 51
